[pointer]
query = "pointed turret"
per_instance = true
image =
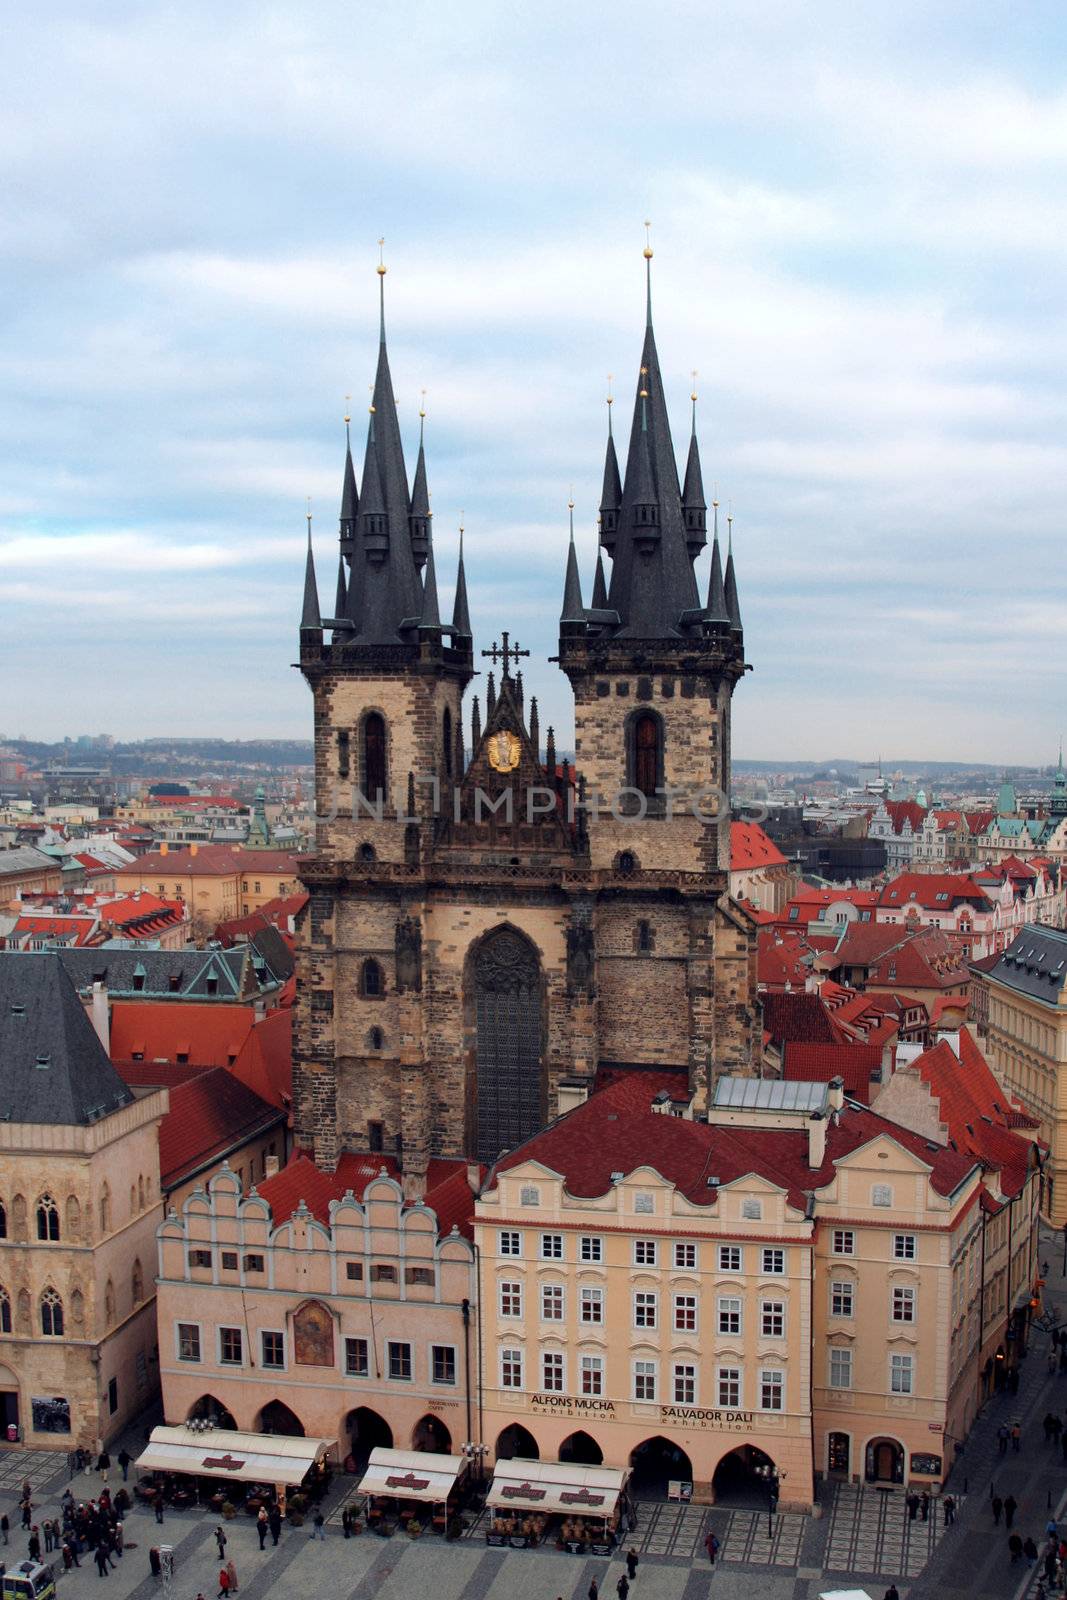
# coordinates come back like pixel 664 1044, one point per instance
pixel 430 616
pixel 716 609
pixel 419 517
pixel 694 506
pixel 341 600
pixel 600 588
pixel 572 617
pixel 373 520
pixel 310 616
pixel 476 724
pixel 535 727
pixel 461 617
pixel 611 493
pixel 349 501
pixel 733 609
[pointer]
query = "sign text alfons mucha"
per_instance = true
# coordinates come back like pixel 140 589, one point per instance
pixel 563 1405
pixel 699 1417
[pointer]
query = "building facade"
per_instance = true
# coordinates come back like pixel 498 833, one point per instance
pixel 485 921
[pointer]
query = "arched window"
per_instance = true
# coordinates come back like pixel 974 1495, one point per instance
pixel 446 734
pixel 109 1303
pixel 47 1218
pixel 376 1038
pixel 51 1315
pixel 371 980
pixel 105 1209
pixel 3 1220
pixel 140 1193
pixel 645 939
pixel 646 753
pixel 367 852
pixel 5 1310
pixel 74 1217
pixel 374 756
pixel 137 1283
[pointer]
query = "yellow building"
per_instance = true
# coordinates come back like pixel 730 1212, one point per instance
pixel 1022 999
pixel 218 882
pixel 79 1208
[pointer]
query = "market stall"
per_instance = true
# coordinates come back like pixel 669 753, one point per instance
pixel 579 1507
pixel 406 1487
pixel 273 1461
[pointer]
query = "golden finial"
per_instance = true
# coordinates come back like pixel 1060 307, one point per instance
pixel 348 409
pixel 648 240
pixel 422 402
pixel 370 391
pixel 643 392
pixel 611 380
pixel 382 269
pixel 693 375
pixel 307 514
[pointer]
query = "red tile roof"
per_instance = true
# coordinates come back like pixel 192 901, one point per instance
pixel 277 913
pixel 214 860
pixel 750 847
pixel 934 891
pixel 798 1017
pixel 902 811
pixel 265 1061
pixel 962 1092
pixel 818 1063
pixel 209 1035
pixel 448 1192
pixel 210 1115
pixel 924 959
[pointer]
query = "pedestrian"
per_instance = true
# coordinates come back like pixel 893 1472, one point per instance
pixel 948 1507
pixel 274 1518
pixel 1015 1545
pixel 67 1562
pixel 124 1462
pixel 220 1540
pixel 1051 1562
pixel 1029 1550
pixel 622 1588
pixel 1051 1530
pixel 711 1545
pixel 913 1506
pixel 103 1566
pixel 319 1526
pixel 231 1573
pixel 34 1545
pixel 892 1593
pixel 1016 1436
pixel 27 1509
pixel 158 1503
pixel 47 1530
pixel 262 1526
pixel 924 1505
pixel 1002 1438
pixel 103 1464
pixel 632 1559
pixel 156 1566
pixel 1011 1505
pixel 5 1528
pixel 593 1590
pixel 224 1583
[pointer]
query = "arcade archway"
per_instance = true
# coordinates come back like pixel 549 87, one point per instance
pixel 208 1409
pixel 581 1448
pixel 366 1431
pixel 276 1417
pixel 656 1463
pixel 430 1433
pixel 884 1461
pixel 742 1478
pixel 516 1440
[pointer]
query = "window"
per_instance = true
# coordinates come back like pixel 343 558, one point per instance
pixel 772 1390
pixel 529 1195
pixel 903 1305
pixel 383 1272
pixel 229 1260
pixel 552 1302
pixel 729 1314
pixel 511 1369
pixel 255 1263
pixel 510 1244
pixel 200 1258
pixel 881 1195
pixel 188 1341
pixel 5 1311
pixel 644 1252
pixel 844 1243
pixel 374 756
pixel 552 1379
pixel 840 1367
pixel 645 940
pixel 592 1375
pixel 591 1305
pixel 3 1220
pixel 51 1314
pixel 343 756
pixel 371 980
pixel 552 1247
pixel 590 1248
pixel 644 1380
pixel 685 1384
pixel 645 1310
pixel 901 1374
pixel 443 1363
pixel 136 1283
pixel 399 1357
pixel 231 1350
pixel 272 1349
pixel 421 1277
pixel 841 1297
pixel 685 1256
pixel 645 759
pixel 357 1364
pixel 112 1395
pixel 752 1209
pixel 772 1262
pixel 729 1258
pixel 730 1388
pixel 510 1299
pixel 685 1313
pixel 904 1247
pixel 47 1218
pixel 772 1319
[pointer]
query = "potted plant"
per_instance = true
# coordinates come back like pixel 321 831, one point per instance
pixel 229 1510
pixel 414 1528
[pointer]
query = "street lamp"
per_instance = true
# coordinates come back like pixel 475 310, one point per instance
pixel 773 1479
pixel 475 1454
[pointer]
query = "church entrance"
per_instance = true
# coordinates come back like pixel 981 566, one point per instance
pixel 505 979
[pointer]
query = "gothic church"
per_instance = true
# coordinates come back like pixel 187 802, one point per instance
pixel 489 927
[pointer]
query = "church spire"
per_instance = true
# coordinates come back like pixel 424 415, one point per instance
pixel 716 610
pixel 573 612
pixel 461 617
pixel 600 588
pixel 611 493
pixel 430 616
pixel 349 497
pixel 733 608
pixel 419 518
pixel 341 600
pixel 310 617
pixel 694 506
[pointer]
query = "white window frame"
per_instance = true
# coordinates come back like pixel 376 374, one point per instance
pixel 551 1240
pixel 356 1339
pixel 511 1356
pixel 905 1247
pixel 686 1258
pixel 399 1344
pixel 558 1300
pixel 589 1297
pixel 901 1363
pixel 505 1238
pixel 558 1370
pixel 771 1381
pixel 843 1242
pixel 729 1376
pixel 647 1248
pixel 844 1363
pixel 509 1289
pixel 683 1305
pixel 189 1361
pixel 646 1374
pixel 646 1308
pixel 770 1254
pixel 284 1365
pixel 445 1383
pixel 730 1307
pixel 773 1310
pixel 590 1249
pixel 229 1328
pixel 731 1258
pixel 591 1368
pixel 684 1383
pixel 843 1289
pixel 905 1299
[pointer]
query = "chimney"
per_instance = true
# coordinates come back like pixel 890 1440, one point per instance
pixel 816 1140
pixel 101 1016
pixel 836 1096
pixel 572 1092
pixel 474 1177
pixel 193 848
pixel 270 1166
pixel 163 847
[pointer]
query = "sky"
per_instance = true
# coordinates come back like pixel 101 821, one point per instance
pixel 859 217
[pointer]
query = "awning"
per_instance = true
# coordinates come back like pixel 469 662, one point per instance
pixel 557 1486
pixel 411 1474
pixel 225 1453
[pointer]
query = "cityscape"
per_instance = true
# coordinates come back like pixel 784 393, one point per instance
pixel 551 1116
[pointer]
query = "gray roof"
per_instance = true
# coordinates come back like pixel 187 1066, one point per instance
pixel 1035 964
pixel 236 974
pixel 53 1068
pixel 769 1094
pixel 24 858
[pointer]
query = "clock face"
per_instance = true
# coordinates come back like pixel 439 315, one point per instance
pixel 504 751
